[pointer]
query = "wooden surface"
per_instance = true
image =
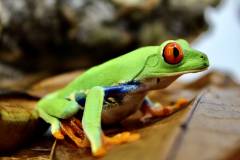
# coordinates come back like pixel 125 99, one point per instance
pixel 213 131
pixel 209 129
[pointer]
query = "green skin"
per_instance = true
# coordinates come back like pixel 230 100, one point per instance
pixel 145 65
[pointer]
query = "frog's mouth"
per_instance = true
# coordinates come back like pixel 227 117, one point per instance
pixel 190 71
pixel 156 74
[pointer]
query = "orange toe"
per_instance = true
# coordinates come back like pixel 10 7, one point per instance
pixel 100 152
pixel 181 102
pixel 58 135
pixel 123 137
pixel 133 137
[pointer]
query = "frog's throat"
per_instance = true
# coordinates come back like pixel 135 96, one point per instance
pixel 156 74
pixel 183 72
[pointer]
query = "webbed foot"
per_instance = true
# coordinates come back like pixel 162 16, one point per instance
pixel 121 138
pixel 157 110
pixel 58 134
pixel 73 129
pixel 100 152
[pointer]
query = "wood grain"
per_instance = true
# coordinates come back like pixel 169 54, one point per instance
pixel 214 129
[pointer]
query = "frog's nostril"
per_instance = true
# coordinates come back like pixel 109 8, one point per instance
pixel 204 60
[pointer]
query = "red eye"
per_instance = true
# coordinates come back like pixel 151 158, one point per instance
pixel 172 53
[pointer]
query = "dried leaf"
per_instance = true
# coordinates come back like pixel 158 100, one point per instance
pixel 19 120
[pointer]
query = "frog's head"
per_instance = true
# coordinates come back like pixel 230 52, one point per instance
pixel 174 58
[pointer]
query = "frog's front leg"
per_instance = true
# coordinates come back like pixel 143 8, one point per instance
pixel 51 109
pixel 151 109
pixel 91 123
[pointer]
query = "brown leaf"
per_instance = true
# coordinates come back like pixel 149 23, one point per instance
pixel 19 120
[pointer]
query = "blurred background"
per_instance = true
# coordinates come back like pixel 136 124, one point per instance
pixel 222 40
pixel 53 36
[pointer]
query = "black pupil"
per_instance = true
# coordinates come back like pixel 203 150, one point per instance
pixel 175 52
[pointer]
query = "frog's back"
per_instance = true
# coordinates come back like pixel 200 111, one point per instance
pixel 122 69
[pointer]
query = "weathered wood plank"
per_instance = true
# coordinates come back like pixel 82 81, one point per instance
pixel 214 129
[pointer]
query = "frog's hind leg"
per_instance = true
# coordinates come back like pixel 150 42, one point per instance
pixel 91 123
pixel 150 109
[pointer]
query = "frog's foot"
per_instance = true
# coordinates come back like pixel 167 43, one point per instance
pixel 73 129
pixel 157 110
pixel 58 135
pixel 100 152
pixel 121 138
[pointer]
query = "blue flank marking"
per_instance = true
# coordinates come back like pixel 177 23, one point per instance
pixel 80 98
pixel 109 91
pixel 121 89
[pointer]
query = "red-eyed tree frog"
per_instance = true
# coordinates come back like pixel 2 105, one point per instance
pixel 110 92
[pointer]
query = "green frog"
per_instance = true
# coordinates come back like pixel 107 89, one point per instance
pixel 110 92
